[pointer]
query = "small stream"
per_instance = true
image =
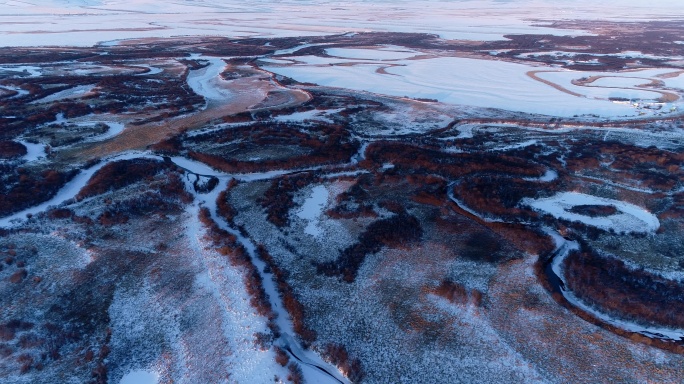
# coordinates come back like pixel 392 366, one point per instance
pixel 313 367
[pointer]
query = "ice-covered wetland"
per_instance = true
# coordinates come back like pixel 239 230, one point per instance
pixel 224 193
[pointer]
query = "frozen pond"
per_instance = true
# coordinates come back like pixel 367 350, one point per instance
pixel 627 218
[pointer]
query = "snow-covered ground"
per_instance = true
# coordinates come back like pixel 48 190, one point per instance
pixel 22 70
pixel 114 129
pixel 628 218
pixel 314 369
pixel 314 114
pixel 20 92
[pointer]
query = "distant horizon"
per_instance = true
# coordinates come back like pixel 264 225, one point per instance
pixel 89 22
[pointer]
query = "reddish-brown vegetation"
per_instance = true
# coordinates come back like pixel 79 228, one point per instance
pixel 281 356
pixel 24 188
pixel 11 150
pixel 119 174
pixel 223 207
pixel 594 210
pixel 278 198
pixel 290 301
pixel 411 159
pixel 351 368
pixel 634 294
pixel 396 231
pixel 457 293
pixel 319 145
pixel 497 195
pixel 18 276
pixel 295 374
pixel 651 167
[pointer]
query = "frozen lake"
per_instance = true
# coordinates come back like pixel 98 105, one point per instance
pixel 88 22
pixel 465 81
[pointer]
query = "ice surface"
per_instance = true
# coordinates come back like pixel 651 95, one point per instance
pixel 385 52
pixel 206 81
pixel 455 80
pixel 629 218
pixel 85 23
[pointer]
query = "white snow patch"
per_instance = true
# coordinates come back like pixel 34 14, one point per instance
pixel 33 151
pixel 152 70
pixel 29 70
pixel 313 114
pixel 114 129
pixel 629 218
pixel 196 166
pixel 549 175
pixel 140 376
pixel 312 209
pixel 20 91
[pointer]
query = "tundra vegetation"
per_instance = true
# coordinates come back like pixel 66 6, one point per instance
pixel 298 232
